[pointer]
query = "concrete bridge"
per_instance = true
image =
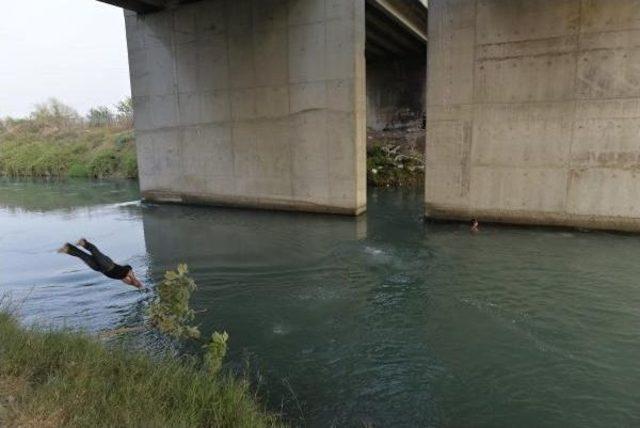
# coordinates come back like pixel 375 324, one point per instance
pixel 533 106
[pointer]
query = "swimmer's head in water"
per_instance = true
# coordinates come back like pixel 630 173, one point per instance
pixel 474 225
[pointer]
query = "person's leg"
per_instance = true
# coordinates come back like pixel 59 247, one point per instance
pixel 76 252
pixel 103 261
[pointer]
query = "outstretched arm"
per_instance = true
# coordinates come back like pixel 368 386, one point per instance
pixel 131 279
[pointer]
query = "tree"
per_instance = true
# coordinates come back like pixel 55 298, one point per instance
pixel 54 112
pixel 100 116
pixel 125 112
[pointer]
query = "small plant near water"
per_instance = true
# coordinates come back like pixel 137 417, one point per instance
pixel 171 314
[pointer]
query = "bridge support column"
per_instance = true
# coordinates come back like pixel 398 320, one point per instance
pixel 253 103
pixel 534 112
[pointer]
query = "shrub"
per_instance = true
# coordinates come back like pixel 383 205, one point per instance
pixel 78 170
pixel 171 314
pixel 129 165
pixel 100 116
pixel 125 112
pixel 104 164
pixel 55 113
pixel 123 138
pixel 387 167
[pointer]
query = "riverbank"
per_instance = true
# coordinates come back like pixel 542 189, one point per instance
pixel 62 378
pixel 30 150
pixel 55 142
pixel 395 158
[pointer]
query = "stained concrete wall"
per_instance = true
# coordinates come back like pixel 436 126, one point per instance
pixel 257 103
pixel 534 112
pixel 395 92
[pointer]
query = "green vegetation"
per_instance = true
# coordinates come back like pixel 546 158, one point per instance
pixel 171 314
pixel 61 378
pixel 64 378
pixel 54 141
pixel 387 166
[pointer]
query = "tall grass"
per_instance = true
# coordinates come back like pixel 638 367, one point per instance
pixel 60 378
pixel 92 152
pixel 54 141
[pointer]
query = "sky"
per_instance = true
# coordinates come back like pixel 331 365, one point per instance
pixel 73 50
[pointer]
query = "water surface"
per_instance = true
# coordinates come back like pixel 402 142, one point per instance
pixel 380 320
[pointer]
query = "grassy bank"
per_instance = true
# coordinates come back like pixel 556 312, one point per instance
pixel 53 378
pixel 27 150
pixel 55 141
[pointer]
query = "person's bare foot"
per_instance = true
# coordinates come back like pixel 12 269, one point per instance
pixel 64 249
pixel 81 242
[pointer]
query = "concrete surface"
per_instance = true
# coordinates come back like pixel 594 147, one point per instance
pixel 395 92
pixel 147 6
pixel 534 112
pixel 254 103
pixel 139 6
pixel 396 63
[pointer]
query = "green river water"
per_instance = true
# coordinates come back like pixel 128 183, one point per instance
pixel 381 320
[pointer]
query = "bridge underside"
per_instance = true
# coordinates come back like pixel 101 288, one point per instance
pixel 257 103
pixel 147 6
pixel 534 112
pixel 396 68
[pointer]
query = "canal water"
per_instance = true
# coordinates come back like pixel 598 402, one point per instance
pixel 381 320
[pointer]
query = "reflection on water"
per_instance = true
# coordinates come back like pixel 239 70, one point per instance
pixel 378 320
pixel 38 195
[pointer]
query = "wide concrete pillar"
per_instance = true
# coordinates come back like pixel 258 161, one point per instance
pixel 253 103
pixel 534 112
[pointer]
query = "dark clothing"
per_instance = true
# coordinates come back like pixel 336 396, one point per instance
pixel 118 272
pixel 98 261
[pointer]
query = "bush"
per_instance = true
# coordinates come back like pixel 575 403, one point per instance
pixel 125 112
pixel 104 164
pixel 78 170
pixel 387 167
pixel 171 314
pixel 123 138
pixel 129 166
pixel 100 116
pixel 55 113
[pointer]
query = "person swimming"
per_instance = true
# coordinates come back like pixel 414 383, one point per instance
pixel 101 263
pixel 475 226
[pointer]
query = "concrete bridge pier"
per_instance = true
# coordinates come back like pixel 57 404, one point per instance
pixel 252 103
pixel 534 112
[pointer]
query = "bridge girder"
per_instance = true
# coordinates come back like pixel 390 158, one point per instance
pixel 146 6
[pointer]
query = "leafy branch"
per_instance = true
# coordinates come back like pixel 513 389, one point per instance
pixel 171 314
